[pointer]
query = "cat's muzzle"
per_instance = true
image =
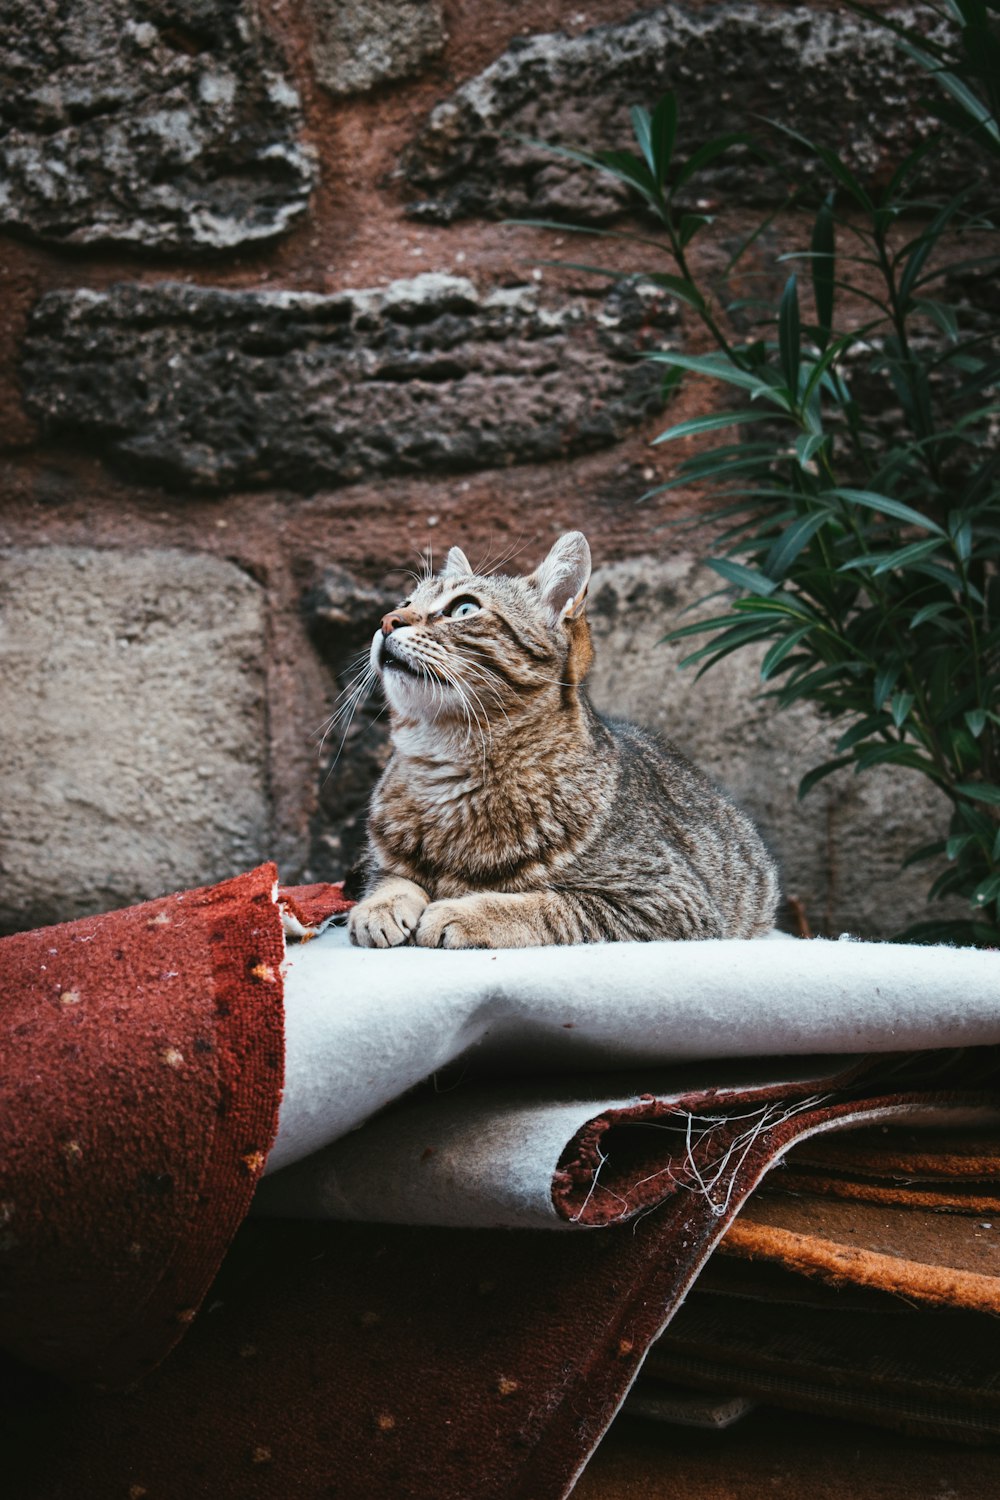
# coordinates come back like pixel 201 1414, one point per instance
pixel 391 659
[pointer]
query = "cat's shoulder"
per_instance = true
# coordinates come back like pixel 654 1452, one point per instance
pixel 644 748
pixel 636 739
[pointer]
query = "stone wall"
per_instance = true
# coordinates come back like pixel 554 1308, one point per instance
pixel 266 336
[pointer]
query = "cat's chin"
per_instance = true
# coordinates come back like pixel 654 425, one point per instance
pixel 413 692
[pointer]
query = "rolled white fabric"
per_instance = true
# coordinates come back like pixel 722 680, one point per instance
pixel 364 1025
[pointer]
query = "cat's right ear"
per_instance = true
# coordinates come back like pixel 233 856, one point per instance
pixel 563 577
pixel 456 565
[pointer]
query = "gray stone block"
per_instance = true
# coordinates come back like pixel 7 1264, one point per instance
pixel 358 44
pixel 189 386
pixel 820 71
pixel 158 124
pixel 132 700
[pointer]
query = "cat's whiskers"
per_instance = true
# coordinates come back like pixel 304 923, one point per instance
pixel 346 712
pixel 431 658
pixel 489 679
pixel 472 706
pixel 487 671
pixel 351 695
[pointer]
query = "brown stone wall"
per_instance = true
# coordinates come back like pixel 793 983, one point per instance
pixel 265 337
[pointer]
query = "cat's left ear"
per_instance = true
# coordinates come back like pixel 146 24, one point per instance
pixel 456 565
pixel 563 577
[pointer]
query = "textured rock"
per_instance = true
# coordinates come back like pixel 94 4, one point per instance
pixel 158 124
pixel 188 386
pixel 840 849
pixel 135 751
pixel 824 73
pixel 360 43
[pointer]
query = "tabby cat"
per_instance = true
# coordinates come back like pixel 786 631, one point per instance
pixel 510 814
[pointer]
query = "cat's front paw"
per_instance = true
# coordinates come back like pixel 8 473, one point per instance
pixel 460 923
pixel 388 917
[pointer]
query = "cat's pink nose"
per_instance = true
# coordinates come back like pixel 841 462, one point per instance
pixel 395 618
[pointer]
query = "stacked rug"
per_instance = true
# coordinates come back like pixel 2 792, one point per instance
pixel 492 1180
pixel 862 1280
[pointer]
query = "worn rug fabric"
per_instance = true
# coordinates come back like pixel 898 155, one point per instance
pixel 426 1356
pixel 862 1280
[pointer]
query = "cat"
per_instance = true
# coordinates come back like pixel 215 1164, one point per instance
pixel 510 813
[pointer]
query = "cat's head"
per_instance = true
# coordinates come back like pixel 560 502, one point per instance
pixel 478 648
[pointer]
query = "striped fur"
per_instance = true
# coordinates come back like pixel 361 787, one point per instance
pixel 510 814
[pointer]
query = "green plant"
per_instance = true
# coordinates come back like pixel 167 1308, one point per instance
pixel 859 502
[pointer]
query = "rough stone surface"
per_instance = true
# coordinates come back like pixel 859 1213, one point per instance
pixel 360 43
pixel 158 124
pixel 135 734
pixel 193 387
pixel 824 73
pixel 840 849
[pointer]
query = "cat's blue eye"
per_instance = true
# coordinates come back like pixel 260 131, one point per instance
pixel 463 608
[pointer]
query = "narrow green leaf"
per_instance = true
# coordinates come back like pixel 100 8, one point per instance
pixel 931 612
pixel 796 609
pixel 728 641
pixel 941 314
pixel 976 720
pixel 921 248
pixel 642 130
pixel 956 843
pixel 949 578
pixel 888 507
pixel 986 890
pixel 708 153
pixel 885 681
pixel 808 685
pixel 715 622
pixel 977 821
pixel 980 791
pixel 925 851
pixel 822 372
pixel 743 577
pixel 967 101
pixel 789 334
pixel 807 445
pixel 684 291
pixel 873 724
pixel 897 755
pixel 718 367
pixel 961 535
pixel 689 226
pixel 790 543
pixel 952 880
pixel 903 556
pixel 663 132
pixel 899 706
pixel 629 169
pixel 883 562
pixel 776 654
pixel 711 424
pixel 826 769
